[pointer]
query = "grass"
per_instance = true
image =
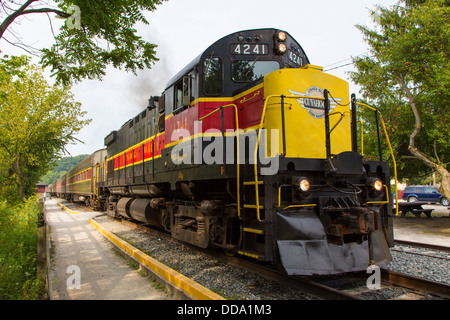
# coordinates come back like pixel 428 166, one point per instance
pixel 18 246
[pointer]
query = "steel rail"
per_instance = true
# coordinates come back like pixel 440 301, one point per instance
pixel 422 245
pixel 314 288
pixel 416 284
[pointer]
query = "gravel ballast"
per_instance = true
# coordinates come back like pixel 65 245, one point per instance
pixel 420 262
pixel 227 281
pixel 235 283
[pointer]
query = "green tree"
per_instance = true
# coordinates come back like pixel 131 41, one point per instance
pixel 36 122
pixel 61 167
pixel 407 76
pixel 95 34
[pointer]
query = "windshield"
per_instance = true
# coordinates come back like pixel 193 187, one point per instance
pixel 247 70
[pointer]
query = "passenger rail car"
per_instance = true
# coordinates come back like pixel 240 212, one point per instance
pixel 252 149
pixel 79 184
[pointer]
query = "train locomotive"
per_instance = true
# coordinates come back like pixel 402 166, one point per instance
pixel 252 149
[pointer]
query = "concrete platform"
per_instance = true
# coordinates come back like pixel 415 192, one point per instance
pixel 81 255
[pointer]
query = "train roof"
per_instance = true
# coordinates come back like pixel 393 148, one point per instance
pixel 223 42
pixel 191 65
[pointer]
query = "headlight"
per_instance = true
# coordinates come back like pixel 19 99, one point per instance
pixel 376 184
pixel 281 36
pixel 281 48
pixel 302 184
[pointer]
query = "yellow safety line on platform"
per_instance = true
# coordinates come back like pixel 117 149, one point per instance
pixel 65 208
pixel 194 289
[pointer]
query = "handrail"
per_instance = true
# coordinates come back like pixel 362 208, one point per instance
pixel 381 202
pixel 236 114
pixel 95 189
pixel 362 136
pixel 257 206
pixel 300 206
pixel 340 119
pixel 390 148
pixel 258 214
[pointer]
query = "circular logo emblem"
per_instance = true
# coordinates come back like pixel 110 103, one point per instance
pixel 315 107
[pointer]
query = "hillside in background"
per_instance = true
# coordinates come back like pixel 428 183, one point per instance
pixel 62 166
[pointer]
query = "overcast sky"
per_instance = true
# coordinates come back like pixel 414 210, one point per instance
pixel 182 29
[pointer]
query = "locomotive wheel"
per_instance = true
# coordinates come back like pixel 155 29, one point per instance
pixel 234 236
pixel 231 252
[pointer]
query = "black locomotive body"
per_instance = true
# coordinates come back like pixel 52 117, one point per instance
pixel 252 149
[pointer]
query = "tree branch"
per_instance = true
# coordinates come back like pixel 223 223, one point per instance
pixel 19 46
pixel 435 152
pixel 6 148
pixel 48 10
pixel 9 19
pixel 412 103
pixel 23 10
pixel 418 124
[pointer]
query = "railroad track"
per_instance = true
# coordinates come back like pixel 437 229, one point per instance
pixel 394 285
pixel 353 286
pixel 434 251
pixel 422 245
pixel 419 285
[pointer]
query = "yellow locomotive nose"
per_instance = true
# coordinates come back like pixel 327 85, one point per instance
pixel 303 131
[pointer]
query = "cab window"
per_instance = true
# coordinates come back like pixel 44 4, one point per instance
pixel 183 93
pixel 248 70
pixel 178 95
pixel 213 76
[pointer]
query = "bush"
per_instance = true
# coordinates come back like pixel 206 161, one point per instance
pixel 18 238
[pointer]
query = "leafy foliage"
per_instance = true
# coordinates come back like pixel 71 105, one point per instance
pixel 61 167
pixel 36 122
pixel 96 33
pixel 407 76
pixel 18 236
